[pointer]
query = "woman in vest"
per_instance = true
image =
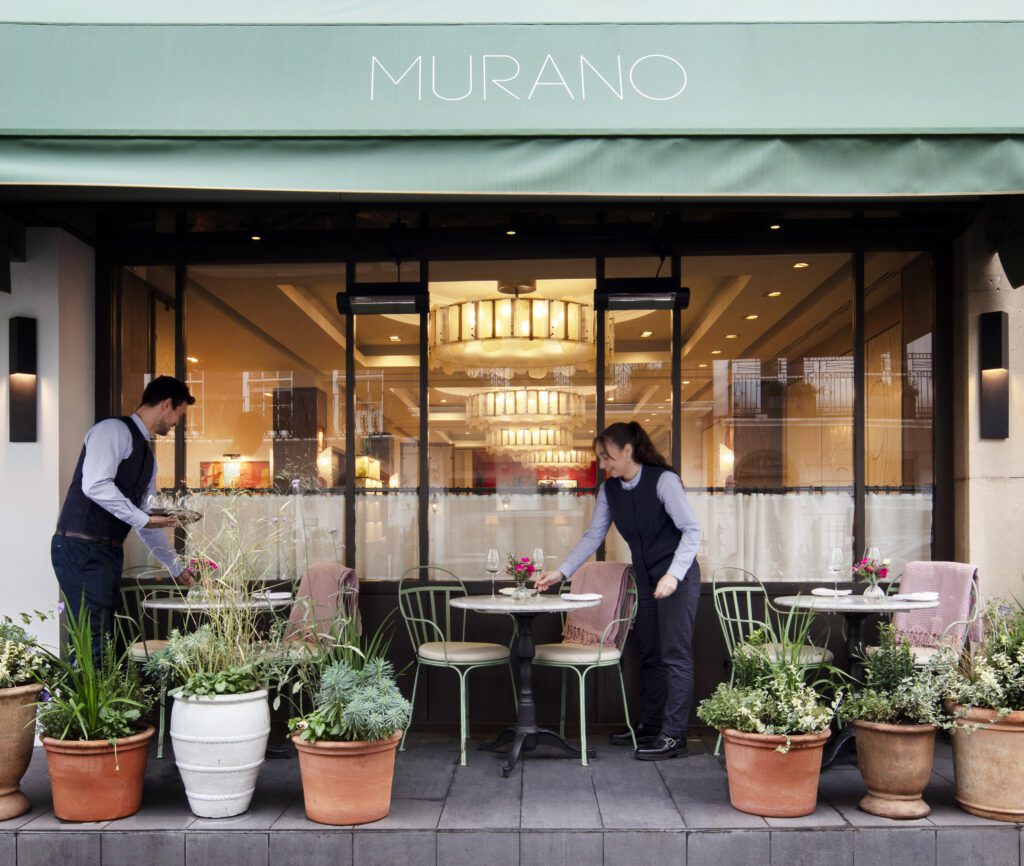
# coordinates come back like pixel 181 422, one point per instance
pixel 644 497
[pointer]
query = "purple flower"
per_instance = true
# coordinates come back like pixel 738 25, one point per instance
pixel 45 696
pixel 60 607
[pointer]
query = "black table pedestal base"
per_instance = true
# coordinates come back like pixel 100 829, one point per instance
pixel 526 739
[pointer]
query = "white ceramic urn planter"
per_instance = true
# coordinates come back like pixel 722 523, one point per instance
pixel 219 744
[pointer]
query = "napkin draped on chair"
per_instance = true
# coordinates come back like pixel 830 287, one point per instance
pixel 954 582
pixel 587 625
pixel 323 589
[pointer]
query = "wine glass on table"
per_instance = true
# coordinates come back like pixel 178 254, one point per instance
pixel 538 561
pixel 493 566
pixel 836 563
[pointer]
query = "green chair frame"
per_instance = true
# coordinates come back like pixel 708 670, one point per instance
pixel 426 610
pixel 581 669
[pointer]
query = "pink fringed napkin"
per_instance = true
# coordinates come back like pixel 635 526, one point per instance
pixel 587 625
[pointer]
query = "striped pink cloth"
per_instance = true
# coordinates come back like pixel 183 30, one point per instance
pixel 952 581
pixel 322 588
pixel 586 625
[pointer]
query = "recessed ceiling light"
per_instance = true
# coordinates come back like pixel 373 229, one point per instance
pixel 716 351
pixel 267 394
pixel 801 264
pixel 646 333
pixel 686 381
pixel 394 338
pixel 775 227
pixel 775 294
pixel 444 399
pixel 192 360
pixel 256 238
pixel 751 317
pixel 731 336
pixel 702 365
pixel 511 233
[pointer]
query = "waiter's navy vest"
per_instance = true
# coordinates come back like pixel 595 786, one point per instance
pixel 644 523
pixel 81 514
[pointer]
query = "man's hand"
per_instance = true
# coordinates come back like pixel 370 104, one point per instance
pixel 666 586
pixel 548 578
pixel 160 522
pixel 185 578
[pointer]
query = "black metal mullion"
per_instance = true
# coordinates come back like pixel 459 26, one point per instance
pixel 424 462
pixel 180 364
pixel 350 425
pixel 600 332
pixel 677 372
pixel 859 404
pixel 943 372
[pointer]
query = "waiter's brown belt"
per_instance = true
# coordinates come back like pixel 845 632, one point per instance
pixel 106 542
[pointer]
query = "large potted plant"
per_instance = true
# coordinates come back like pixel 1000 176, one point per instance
pixel 91 724
pixel 22 666
pixel 774 724
pixel 987 701
pixel 896 716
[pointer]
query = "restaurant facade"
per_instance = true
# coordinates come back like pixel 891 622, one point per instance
pixel 409 268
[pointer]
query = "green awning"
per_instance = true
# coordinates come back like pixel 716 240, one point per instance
pixel 587 109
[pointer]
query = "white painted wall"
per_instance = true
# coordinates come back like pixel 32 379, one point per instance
pixel 56 286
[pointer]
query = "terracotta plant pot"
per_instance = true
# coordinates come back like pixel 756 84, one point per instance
pixel 17 713
pixel 93 782
pixel 989 765
pixel 896 763
pixel 763 781
pixel 347 783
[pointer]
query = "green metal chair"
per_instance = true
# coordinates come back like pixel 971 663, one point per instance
pixel 584 658
pixel 439 639
pixel 738 609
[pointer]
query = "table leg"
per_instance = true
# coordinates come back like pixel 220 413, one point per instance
pixel 854 649
pixel 526 736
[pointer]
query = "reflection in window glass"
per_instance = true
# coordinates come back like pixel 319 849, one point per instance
pixel 899 399
pixel 512 409
pixel 767 410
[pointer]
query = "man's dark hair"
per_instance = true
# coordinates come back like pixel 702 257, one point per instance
pixel 163 387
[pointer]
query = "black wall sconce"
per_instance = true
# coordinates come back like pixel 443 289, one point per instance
pixel 22 377
pixel 994 348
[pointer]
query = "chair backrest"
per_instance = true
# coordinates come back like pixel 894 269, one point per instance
pixel 741 610
pixel 327 593
pixel 957 613
pixel 607 623
pixel 426 606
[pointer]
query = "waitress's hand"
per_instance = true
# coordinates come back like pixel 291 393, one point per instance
pixel 548 578
pixel 666 586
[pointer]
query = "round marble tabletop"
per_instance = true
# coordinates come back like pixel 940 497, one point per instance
pixel 184 603
pixel 504 604
pixel 850 604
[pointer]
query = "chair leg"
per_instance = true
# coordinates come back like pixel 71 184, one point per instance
pixel 412 702
pixel 561 718
pixel 582 675
pixel 463 721
pixel 515 694
pixel 625 707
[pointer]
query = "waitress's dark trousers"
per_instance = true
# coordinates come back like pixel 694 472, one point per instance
pixel 664 638
pixel 90 573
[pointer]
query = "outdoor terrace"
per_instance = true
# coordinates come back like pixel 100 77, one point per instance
pixel 551 812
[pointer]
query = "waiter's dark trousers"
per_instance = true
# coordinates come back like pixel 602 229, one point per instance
pixel 664 638
pixel 95 570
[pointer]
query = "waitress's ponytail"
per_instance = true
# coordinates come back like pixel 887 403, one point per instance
pixel 644 452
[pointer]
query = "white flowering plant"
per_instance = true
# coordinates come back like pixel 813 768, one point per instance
pixel 992 677
pixel 897 691
pixel 772 693
pixel 22 660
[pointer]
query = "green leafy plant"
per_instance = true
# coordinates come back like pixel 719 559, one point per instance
pixel 899 692
pixel 993 676
pixel 88 698
pixel 22 660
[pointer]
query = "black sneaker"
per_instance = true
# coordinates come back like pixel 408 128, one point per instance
pixel 661 749
pixel 644 735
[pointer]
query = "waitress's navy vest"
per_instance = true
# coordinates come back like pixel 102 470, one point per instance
pixel 81 514
pixel 644 523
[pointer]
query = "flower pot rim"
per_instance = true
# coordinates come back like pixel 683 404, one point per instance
pixel 895 727
pixel 233 697
pixel 12 690
pixel 985 714
pixel 343 746
pixel 131 740
pixel 734 734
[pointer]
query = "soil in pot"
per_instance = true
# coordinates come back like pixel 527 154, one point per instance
pixel 95 781
pixel 17 731
pixel 896 763
pixel 988 765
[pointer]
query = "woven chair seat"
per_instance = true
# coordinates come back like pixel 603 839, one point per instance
pixel 922 654
pixel 575 653
pixel 462 652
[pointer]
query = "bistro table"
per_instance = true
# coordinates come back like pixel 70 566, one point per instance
pixel 185 604
pixel 525 735
pixel 854 610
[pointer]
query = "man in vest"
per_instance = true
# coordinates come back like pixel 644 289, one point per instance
pixel 116 471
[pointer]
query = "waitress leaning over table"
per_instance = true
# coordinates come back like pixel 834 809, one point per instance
pixel 644 497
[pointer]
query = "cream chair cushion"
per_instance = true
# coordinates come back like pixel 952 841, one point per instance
pixel 922 654
pixel 462 652
pixel 575 653
pixel 143 649
pixel 809 654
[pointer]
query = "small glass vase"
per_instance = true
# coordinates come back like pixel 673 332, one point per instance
pixel 521 594
pixel 873 594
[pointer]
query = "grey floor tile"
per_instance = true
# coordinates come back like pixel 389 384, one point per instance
pixel 213 846
pixel 823 816
pixel 557 795
pixel 38 792
pixel 480 799
pixel 698 778
pixel 560 849
pixel 52 849
pixel 645 847
pixel 724 849
pixel 8 847
pixel 474 849
pixel 844 796
pixel 50 822
pixel 319 847
pixel 946 813
pixel 633 795
pixel 812 848
pixel 877 847
pixel 389 849
pixel 714 816
pixel 988 845
pixel 157 816
pixel 426 767
pixel 152 849
pixel 408 815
